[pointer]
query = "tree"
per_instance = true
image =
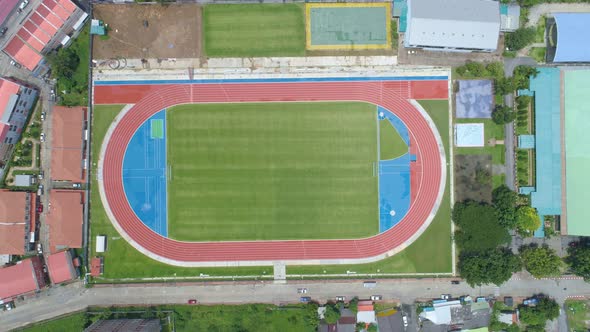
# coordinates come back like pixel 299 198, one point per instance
pixel 541 262
pixel 546 309
pixel 520 38
pixel 503 86
pixel 579 259
pixel 476 69
pixel 372 328
pixel 527 220
pixel 503 114
pixel 495 69
pixel 64 62
pixel 493 266
pixel 504 201
pixel 478 227
pixel 353 305
pixel 332 313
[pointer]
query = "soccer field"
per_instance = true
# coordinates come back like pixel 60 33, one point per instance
pixel 272 171
pixel 254 30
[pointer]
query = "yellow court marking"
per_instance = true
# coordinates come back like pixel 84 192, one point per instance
pixel 309 46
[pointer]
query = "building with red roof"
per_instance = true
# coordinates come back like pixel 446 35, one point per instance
pixel 48 26
pixel 67 143
pixel 16 102
pixel 6 7
pixel 64 218
pixel 15 221
pixel 60 267
pixel 96 266
pixel 23 278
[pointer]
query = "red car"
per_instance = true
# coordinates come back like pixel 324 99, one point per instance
pixel 192 301
pixel 40 208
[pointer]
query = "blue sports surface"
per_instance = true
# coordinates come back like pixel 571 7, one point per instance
pixel 394 179
pixel 144 175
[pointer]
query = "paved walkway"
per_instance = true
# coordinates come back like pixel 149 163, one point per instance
pixel 537 11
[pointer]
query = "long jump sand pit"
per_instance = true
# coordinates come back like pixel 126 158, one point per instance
pixel 149 31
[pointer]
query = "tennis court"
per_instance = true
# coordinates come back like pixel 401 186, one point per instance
pixel 348 26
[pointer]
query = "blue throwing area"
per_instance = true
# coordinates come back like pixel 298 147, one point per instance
pixel 394 179
pixel 144 173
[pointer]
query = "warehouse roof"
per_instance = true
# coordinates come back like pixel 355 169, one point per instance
pixel 572 46
pixel 462 24
pixel 66 146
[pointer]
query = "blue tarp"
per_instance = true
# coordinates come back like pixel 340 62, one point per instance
pixel 144 176
pixel 573 43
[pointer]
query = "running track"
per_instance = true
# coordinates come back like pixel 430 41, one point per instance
pixel 392 95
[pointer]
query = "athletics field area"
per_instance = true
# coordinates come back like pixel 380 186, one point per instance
pixel 249 172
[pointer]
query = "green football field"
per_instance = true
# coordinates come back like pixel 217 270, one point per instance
pixel 272 171
pixel 254 30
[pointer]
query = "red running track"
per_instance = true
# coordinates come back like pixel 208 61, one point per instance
pixel 390 95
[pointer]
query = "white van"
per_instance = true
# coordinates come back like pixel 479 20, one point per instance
pixel 22 5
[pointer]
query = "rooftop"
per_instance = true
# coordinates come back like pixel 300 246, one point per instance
pixel 13 215
pixel 7 90
pixel 66 145
pixel 20 278
pixel 464 24
pixel 65 217
pixel 60 267
pixel 469 134
pixel 572 46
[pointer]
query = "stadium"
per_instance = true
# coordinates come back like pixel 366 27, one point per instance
pixel 248 172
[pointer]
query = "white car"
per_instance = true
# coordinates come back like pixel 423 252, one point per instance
pixel 302 290
pixel 42 137
pixel 340 298
pixel 405 319
pixel 39 249
pixel 376 297
pixel 445 296
pixel 42 116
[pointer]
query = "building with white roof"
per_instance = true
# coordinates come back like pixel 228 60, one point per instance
pixel 453 25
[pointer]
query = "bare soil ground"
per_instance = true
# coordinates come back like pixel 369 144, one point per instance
pixel 466 185
pixel 149 31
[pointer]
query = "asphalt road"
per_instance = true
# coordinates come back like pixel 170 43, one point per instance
pixel 61 300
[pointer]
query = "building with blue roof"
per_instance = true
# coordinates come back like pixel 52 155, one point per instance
pixel 569 37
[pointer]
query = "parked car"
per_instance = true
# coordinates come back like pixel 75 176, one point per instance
pixel 42 116
pixel 405 319
pixel 39 249
pixel 40 208
pixel 376 297
pixel 340 298
pixel 302 290
pixel 445 296
pixel 192 301
pixel 455 282
pixel 8 306
pixel 3 31
pixel 41 175
pixel 16 64
pixel 42 137
pixel 40 190
pixel 76 185
pixel 305 299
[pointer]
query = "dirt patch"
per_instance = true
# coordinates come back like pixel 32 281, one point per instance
pixel 141 31
pixel 473 178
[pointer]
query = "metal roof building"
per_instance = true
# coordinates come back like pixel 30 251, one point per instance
pixel 453 25
pixel 571 45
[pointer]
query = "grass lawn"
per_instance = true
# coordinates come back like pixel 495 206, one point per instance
pixel 498 180
pixel 431 253
pixel 390 142
pixel 577 315
pixel 75 322
pixel 538 53
pixel 540 33
pixel 491 130
pixel 77 85
pixel 247 317
pixel 272 171
pixel 121 259
pixel 254 30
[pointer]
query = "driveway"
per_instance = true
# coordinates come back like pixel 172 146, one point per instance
pixel 537 11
